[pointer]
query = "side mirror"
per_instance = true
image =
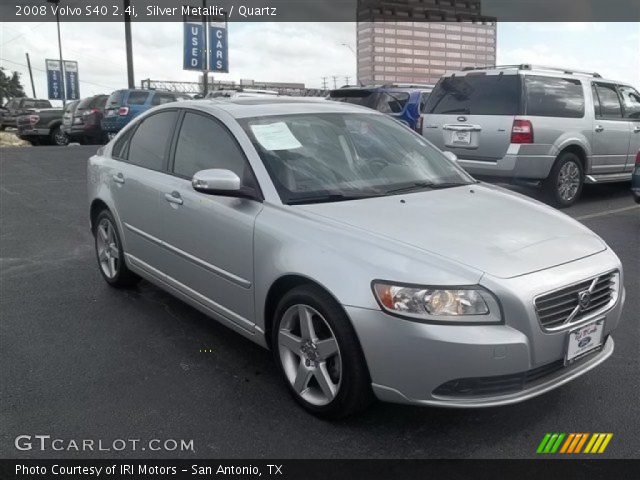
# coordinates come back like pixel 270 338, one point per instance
pixel 216 181
pixel 451 156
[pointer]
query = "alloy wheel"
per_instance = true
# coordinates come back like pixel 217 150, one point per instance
pixel 108 248
pixel 568 181
pixel 310 354
pixel 60 138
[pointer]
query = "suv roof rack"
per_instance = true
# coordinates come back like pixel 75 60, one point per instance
pixel 408 85
pixel 528 66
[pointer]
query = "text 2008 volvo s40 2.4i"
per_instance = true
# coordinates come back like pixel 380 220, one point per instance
pixel 362 256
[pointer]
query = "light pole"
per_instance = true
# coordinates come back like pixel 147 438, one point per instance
pixel 64 91
pixel 127 41
pixel 356 55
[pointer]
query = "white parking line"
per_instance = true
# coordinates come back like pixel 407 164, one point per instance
pixel 608 212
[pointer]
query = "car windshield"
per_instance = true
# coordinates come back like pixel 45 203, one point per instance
pixel 325 157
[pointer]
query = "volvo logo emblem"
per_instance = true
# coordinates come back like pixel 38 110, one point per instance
pixel 462 119
pixel 584 299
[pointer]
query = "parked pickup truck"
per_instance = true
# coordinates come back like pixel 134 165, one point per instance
pixel 19 106
pixel 42 125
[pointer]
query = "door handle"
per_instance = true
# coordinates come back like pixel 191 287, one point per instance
pixel 599 128
pixel 173 197
pixel 118 178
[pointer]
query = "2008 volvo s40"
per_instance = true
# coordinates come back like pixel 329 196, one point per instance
pixel 362 256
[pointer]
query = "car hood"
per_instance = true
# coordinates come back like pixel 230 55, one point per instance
pixel 484 227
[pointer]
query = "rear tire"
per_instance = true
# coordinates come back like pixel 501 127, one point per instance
pixel 110 254
pixel 58 137
pixel 564 184
pixel 323 365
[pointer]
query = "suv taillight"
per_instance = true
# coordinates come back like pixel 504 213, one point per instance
pixel 638 159
pixel 122 111
pixel 419 125
pixel 522 131
pixel 33 119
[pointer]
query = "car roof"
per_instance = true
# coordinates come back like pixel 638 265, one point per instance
pixel 526 69
pixel 266 106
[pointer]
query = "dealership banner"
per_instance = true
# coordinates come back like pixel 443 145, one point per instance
pixel 71 81
pixel 193 58
pixel 218 47
pixel 54 79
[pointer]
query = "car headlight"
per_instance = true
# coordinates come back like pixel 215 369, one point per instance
pixel 439 304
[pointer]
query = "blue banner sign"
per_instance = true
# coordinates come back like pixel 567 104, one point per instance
pixel 193 46
pixel 54 79
pixel 218 47
pixel 71 81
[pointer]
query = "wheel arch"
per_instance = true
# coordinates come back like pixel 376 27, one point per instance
pixel 97 205
pixel 277 290
pixel 578 151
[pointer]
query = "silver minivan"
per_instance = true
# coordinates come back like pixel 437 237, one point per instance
pixel 562 128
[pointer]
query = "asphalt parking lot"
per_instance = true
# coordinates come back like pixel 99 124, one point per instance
pixel 80 360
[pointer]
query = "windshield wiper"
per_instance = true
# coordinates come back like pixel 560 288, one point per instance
pixel 331 197
pixel 424 185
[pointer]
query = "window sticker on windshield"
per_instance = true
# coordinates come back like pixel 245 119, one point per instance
pixel 275 136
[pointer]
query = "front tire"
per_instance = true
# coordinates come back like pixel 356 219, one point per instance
pixel 564 184
pixel 318 354
pixel 110 254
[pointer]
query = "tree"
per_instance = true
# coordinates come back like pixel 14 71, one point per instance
pixel 10 85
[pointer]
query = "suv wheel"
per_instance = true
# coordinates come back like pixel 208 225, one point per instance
pixel 318 354
pixel 58 137
pixel 110 254
pixel 565 181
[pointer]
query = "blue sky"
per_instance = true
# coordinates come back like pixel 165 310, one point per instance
pixel 300 52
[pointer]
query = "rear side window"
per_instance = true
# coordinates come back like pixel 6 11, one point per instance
pixel 120 147
pixel 99 101
pixel 631 102
pixel 43 104
pixel 476 94
pixel 137 98
pixel 366 98
pixel 609 101
pixel 162 98
pixel 423 101
pixel 28 104
pixel 204 143
pixel 149 142
pixel 392 102
pixel 553 97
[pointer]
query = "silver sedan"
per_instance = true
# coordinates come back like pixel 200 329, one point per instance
pixel 361 255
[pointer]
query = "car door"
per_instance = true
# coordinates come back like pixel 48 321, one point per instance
pixel 209 238
pixel 631 108
pixel 610 137
pixel 137 180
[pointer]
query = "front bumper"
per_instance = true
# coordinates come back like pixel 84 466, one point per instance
pixel 409 360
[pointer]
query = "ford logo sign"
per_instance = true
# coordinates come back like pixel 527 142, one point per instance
pixel 584 342
pixel 462 119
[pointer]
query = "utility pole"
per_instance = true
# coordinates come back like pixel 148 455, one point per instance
pixel 127 40
pixel 346 79
pixel 64 90
pixel 324 83
pixel 205 61
pixel 335 78
pixel 33 87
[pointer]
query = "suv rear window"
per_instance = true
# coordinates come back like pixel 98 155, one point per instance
pixel 476 94
pixel 115 99
pixel 392 102
pixel 137 98
pixel 553 97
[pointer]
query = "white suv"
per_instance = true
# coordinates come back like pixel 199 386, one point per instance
pixel 526 122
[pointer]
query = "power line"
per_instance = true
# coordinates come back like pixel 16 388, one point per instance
pixel 41 70
pixel 21 35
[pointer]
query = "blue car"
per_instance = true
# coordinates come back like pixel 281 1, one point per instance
pixel 402 102
pixel 124 105
pixel 635 179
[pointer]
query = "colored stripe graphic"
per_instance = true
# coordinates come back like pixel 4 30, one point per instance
pixel 572 443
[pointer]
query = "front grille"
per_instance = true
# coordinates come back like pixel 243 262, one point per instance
pixel 562 308
pixel 498 385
